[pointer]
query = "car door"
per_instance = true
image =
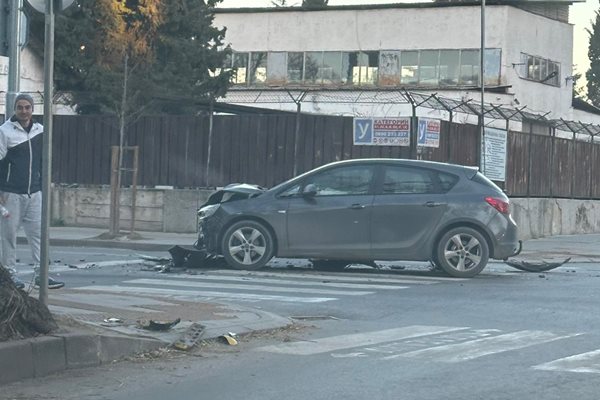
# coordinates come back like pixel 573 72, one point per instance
pixel 334 222
pixel 407 207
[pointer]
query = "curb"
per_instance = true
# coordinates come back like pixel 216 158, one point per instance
pixel 45 355
pixel 41 356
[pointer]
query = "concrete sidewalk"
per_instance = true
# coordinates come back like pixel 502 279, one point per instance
pixel 90 337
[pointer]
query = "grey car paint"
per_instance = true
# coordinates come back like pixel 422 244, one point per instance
pixel 369 226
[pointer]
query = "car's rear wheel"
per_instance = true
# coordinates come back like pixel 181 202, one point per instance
pixel 247 245
pixel 462 252
pixel 329 265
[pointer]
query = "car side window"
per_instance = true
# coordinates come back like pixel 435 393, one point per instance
pixel 343 181
pixel 447 181
pixel 406 180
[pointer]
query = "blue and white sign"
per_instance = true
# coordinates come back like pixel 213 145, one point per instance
pixel 382 131
pixel 428 134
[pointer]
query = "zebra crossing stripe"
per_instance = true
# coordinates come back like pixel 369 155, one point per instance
pixel 354 277
pixel 341 342
pixel 179 283
pixel 585 362
pixel 482 347
pixel 326 282
pixel 193 294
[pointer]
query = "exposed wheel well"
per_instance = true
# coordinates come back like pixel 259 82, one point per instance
pixel 468 225
pixel 248 218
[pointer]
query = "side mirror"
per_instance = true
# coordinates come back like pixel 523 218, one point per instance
pixel 310 190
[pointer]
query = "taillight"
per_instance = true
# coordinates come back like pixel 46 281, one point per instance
pixel 498 204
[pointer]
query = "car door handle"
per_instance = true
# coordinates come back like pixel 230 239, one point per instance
pixel 433 204
pixel 357 206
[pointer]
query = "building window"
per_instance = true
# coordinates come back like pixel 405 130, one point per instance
pixel 258 68
pixel 295 67
pixel 360 68
pixel 428 67
pixel 409 71
pixel 449 67
pixel 469 67
pixel 540 69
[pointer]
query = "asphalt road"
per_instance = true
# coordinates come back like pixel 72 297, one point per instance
pixel 394 334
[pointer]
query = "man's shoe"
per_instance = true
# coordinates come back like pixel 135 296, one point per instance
pixel 52 283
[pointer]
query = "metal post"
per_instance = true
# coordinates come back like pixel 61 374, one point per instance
pixel 529 154
pixel 14 52
pixel 552 149
pixel 591 173
pixel 47 148
pixel 573 164
pixel 482 76
pixel 297 136
pixel 210 135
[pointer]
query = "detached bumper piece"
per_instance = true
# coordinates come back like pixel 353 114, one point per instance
pixel 191 257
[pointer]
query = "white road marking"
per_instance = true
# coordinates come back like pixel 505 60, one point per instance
pixel 335 343
pixel 585 362
pixel 483 347
pixel 364 278
pixel 193 294
pixel 327 282
pixel 166 282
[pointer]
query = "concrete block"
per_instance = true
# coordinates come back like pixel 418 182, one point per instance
pixel 16 362
pixel 115 347
pixel 48 355
pixel 81 350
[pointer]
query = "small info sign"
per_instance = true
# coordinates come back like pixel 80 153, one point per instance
pixel 493 151
pixel 382 131
pixel 429 132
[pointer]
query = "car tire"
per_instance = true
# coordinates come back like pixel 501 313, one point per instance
pixel 247 245
pixel 462 252
pixel 329 265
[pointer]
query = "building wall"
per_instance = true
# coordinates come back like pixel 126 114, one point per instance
pixel 513 30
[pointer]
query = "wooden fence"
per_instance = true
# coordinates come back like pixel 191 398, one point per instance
pixel 260 149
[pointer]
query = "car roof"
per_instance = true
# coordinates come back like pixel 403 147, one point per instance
pixel 402 161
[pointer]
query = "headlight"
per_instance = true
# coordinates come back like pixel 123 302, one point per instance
pixel 207 211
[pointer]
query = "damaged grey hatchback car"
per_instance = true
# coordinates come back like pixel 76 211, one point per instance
pixel 359 211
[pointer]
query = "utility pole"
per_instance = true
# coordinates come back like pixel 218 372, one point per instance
pixel 14 53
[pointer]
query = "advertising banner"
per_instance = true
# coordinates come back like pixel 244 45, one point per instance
pixel 429 132
pixel 382 131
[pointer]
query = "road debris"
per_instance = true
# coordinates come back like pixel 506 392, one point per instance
pixel 313 317
pixel 229 338
pixel 190 338
pixel 159 326
pixel 112 321
pixel 536 266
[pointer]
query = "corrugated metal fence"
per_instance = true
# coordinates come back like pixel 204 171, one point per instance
pixel 260 149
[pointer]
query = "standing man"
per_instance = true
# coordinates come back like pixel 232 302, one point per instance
pixel 21 184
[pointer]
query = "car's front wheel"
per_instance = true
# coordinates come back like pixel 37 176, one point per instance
pixel 462 252
pixel 247 245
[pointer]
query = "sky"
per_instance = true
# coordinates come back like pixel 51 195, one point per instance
pixel 581 15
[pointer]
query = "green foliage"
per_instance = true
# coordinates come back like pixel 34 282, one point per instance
pixel 315 3
pixel 593 74
pixel 124 57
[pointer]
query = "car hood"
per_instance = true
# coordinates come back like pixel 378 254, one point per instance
pixel 233 192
